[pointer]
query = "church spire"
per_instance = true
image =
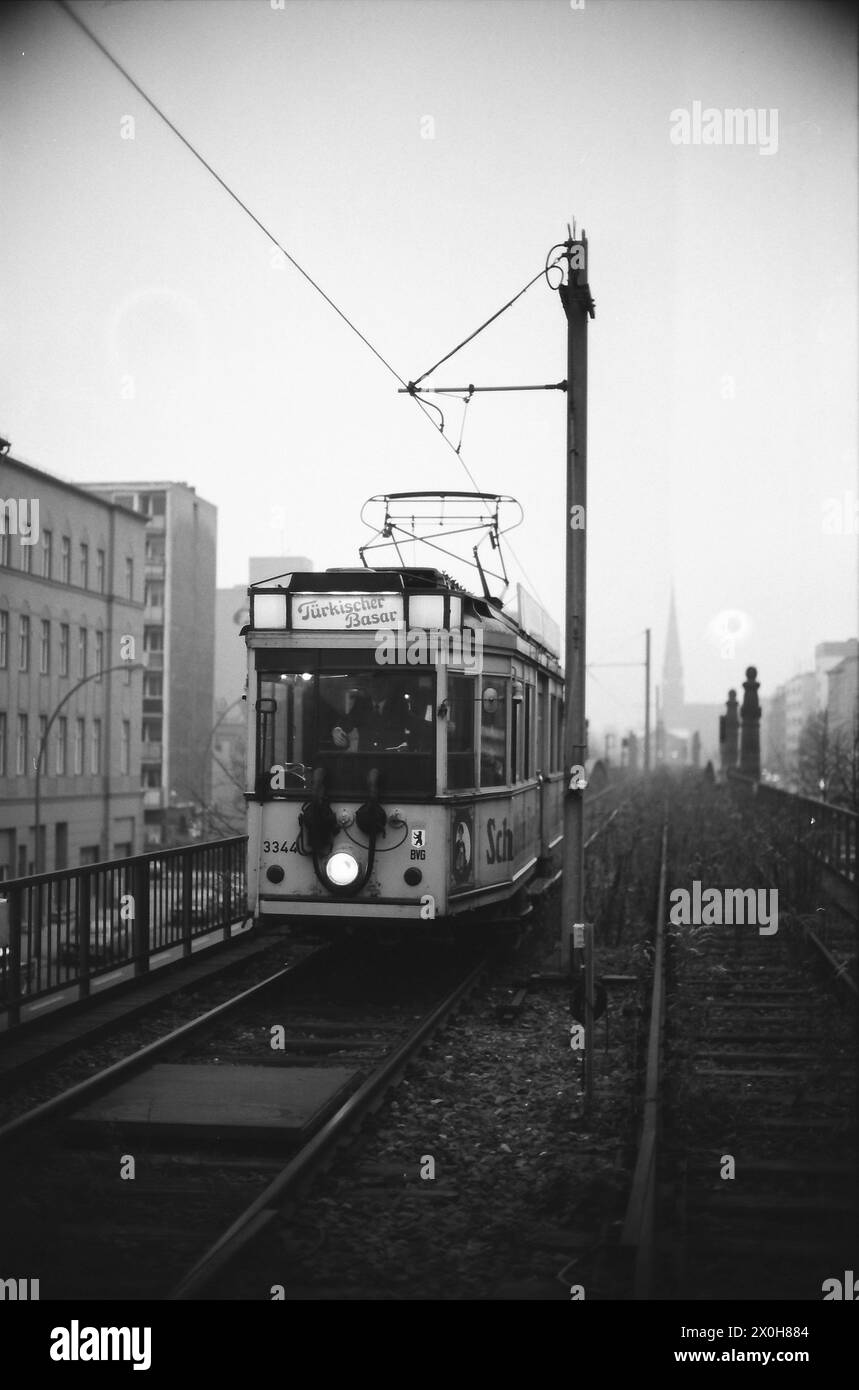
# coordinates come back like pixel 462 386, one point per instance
pixel 673 698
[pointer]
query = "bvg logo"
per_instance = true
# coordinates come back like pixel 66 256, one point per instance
pixel 16 1290
pixel 500 842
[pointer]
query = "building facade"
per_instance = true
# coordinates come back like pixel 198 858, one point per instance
pixel 800 703
pixel 843 691
pixel 178 640
pixel 71 608
pixel 828 655
pixel 774 733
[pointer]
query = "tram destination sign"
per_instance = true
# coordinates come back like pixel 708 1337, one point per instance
pixel 346 612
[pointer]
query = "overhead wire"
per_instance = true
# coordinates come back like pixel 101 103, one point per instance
pixel 424 406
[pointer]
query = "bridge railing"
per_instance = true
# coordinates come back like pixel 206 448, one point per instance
pixel 63 930
pixel 830 833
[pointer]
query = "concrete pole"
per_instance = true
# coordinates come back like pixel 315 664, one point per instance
pixel 647 700
pixel 578 307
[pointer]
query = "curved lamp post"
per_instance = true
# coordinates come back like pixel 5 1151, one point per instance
pixel 43 742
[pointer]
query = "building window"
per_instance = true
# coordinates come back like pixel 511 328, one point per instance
pixel 125 748
pixel 21 746
pixel 26 558
pixel 4 549
pixel 79 746
pixel 66 559
pixel 154 594
pixel 155 551
pixel 41 749
pixel 23 643
pixel 153 685
pixel 62 745
pixel 99 654
pixel 95 747
pixel 2 744
pixel 4 639
pixel 64 649
pixel 47 554
pixel 82 652
pixel 45 648
pixel 157 503
pixel 129 577
pixel 99 571
pixel 153 639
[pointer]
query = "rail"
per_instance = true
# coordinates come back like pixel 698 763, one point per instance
pixel 639 1225
pixel 63 931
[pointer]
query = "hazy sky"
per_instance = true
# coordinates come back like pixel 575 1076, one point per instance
pixel 723 356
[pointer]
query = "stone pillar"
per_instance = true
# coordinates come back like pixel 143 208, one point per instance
pixel 729 726
pixel 750 740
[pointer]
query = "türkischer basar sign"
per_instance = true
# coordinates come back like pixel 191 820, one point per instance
pixel 339 612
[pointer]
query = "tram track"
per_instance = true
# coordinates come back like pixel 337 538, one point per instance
pixel 117 1197
pixel 750 1096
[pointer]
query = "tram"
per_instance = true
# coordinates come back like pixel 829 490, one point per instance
pixel 405 747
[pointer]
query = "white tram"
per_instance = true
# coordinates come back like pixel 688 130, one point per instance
pixel 404 747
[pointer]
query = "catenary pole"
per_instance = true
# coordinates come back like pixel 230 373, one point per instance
pixel 578 307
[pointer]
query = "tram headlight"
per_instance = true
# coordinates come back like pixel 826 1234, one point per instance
pixel 342 869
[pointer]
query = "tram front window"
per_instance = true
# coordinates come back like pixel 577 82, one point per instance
pixel 347 722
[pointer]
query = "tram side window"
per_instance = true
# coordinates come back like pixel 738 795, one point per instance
pixel 556 714
pixel 541 765
pixel 460 731
pixel 285 720
pixel 493 732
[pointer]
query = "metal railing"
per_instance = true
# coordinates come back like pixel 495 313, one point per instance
pixel 62 930
pixel 829 833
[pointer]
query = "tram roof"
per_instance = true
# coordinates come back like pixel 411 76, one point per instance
pixel 526 617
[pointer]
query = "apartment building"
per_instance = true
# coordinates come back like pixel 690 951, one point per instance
pixel 71 610
pixel 178 641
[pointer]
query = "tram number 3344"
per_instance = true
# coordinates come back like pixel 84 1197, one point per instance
pixel 279 847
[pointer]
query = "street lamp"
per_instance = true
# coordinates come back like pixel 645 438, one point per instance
pixel 43 742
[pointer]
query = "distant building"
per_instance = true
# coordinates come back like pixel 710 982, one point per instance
pixel 228 814
pixel 827 655
pixel 800 703
pixel 774 733
pixel 179 640
pixel 66 602
pixel 843 692
pixel 682 720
